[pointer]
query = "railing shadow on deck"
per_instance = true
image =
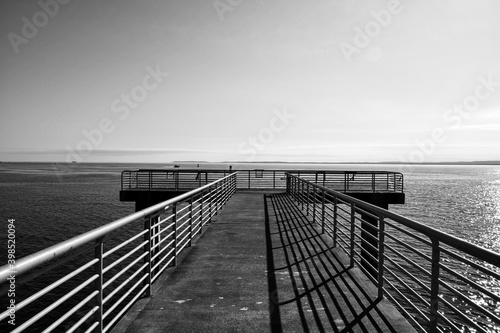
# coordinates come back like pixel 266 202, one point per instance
pixel 310 284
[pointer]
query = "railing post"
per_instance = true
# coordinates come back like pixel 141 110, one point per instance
pixel 210 198
pixel 190 220
pixel 353 221
pixel 323 207
pixel 381 238
pixel 373 182
pixel 302 196
pixel 174 211
pixel 201 211
pixel 314 203
pixel 99 266
pixel 216 199
pixel 335 203
pixel 148 258
pixel 249 179
pixel 346 178
pixel 434 286
pixel 274 179
pixel 307 202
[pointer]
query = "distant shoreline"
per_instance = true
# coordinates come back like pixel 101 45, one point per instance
pixel 269 162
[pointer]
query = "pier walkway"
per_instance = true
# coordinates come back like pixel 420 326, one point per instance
pixel 261 266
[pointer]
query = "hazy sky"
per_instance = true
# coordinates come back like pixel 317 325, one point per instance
pixel 291 80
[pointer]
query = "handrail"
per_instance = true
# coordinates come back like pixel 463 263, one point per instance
pixel 50 253
pixel 183 179
pixel 448 239
pixel 413 265
pixel 107 264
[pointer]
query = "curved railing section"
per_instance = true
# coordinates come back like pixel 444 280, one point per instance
pixel 183 179
pixel 88 282
pixel 439 282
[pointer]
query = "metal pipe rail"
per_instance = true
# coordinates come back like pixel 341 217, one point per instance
pixel 91 280
pixel 343 181
pixel 439 282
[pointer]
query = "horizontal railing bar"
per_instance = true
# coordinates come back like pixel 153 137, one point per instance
pixel 161 221
pixel 469 281
pixel 84 319
pixel 183 223
pixel 165 239
pixel 125 308
pixel 448 322
pixel 92 328
pixel 461 315
pixel 408 247
pixel 165 248
pixel 407 300
pixel 468 300
pixel 131 252
pixel 408 233
pixel 182 247
pixel 408 261
pixel 123 270
pixel 49 267
pixel 50 287
pixel 54 305
pixel 165 228
pixel 128 241
pixel 410 275
pixel 165 266
pixel 70 312
pixel 123 297
pixel 471 263
pixel 182 209
pixel 406 314
pixel 179 234
pixel 124 283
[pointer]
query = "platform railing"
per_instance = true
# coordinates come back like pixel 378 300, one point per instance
pixel 439 282
pixel 88 282
pixel 267 179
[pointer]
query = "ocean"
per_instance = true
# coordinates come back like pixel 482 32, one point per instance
pixel 53 202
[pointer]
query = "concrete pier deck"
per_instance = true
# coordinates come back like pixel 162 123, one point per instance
pixel 263 267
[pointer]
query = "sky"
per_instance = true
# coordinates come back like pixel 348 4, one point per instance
pixel 249 80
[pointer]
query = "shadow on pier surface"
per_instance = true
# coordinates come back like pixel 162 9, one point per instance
pixel 311 285
pixel 262 267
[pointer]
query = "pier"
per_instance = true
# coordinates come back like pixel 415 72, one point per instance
pixel 260 250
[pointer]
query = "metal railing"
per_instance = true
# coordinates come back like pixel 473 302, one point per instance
pixel 343 181
pixel 439 282
pixel 88 282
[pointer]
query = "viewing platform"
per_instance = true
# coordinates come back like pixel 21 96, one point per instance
pixel 147 186
pixel 257 251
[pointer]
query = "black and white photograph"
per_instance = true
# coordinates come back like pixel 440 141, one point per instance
pixel 250 166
